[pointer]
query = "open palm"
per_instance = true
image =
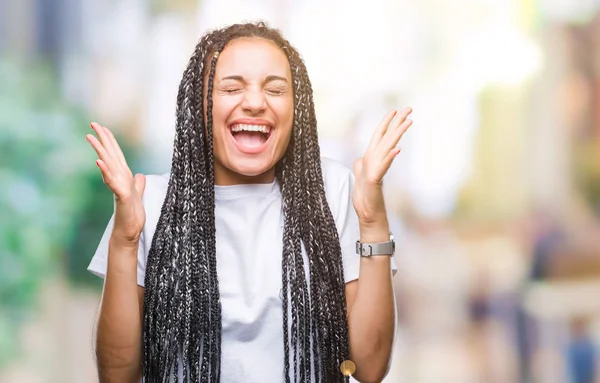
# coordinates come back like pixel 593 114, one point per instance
pixel 130 216
pixel 369 170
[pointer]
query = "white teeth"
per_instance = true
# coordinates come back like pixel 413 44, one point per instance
pixel 250 128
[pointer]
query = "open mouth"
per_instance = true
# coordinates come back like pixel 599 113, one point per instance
pixel 251 136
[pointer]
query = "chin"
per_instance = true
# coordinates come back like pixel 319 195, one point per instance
pixel 249 171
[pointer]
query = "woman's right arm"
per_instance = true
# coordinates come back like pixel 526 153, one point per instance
pixel 119 334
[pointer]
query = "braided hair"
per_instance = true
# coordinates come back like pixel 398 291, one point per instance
pixel 182 316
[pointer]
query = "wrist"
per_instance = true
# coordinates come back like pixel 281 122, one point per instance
pixel 375 232
pixel 122 258
pixel 119 243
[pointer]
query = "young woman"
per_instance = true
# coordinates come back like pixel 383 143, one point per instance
pixel 253 260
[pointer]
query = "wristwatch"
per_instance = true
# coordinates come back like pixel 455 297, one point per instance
pixel 383 248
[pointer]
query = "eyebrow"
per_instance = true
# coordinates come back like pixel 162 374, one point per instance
pixel 268 79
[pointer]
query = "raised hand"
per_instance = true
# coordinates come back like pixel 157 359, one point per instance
pixel 130 216
pixel 369 170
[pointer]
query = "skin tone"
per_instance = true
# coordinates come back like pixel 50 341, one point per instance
pixel 252 90
pixel 252 87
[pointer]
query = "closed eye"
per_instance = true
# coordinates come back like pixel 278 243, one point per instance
pixel 276 91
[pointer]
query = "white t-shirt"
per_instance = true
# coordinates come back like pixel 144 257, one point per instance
pixel 249 230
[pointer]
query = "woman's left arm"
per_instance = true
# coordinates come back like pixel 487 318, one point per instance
pixel 370 299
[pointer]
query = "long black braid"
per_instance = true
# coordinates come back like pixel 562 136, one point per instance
pixel 182 316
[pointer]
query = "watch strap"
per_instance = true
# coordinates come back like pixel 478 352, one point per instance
pixel 371 249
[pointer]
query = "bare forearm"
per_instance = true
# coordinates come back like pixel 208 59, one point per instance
pixel 118 342
pixel 371 314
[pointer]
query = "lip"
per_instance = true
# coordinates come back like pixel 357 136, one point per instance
pixel 251 121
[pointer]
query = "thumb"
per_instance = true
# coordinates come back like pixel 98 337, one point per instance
pixel 139 182
pixel 358 164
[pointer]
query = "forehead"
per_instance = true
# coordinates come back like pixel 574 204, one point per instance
pixel 252 57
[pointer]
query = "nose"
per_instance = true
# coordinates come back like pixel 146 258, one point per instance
pixel 254 101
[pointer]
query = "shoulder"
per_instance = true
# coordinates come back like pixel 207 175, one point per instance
pixel 156 190
pixel 336 175
pixel 157 183
pixel 153 199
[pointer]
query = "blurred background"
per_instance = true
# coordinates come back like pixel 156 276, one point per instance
pixel 495 199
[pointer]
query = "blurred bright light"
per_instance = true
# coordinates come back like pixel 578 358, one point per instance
pixel 569 10
pixel 499 55
pixel 219 13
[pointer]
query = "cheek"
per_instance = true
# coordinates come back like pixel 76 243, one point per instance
pixel 221 110
pixel 284 109
pixel 219 116
pixel 223 106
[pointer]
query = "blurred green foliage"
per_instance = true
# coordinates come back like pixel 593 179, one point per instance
pixel 165 6
pixel 53 203
pixel 587 173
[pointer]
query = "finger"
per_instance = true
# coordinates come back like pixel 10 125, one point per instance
pixel 106 174
pixel 100 149
pixel 405 112
pixel 381 129
pixel 111 143
pixel 391 139
pixel 398 120
pixel 358 165
pixel 104 139
pixel 139 183
pixel 387 162
pixel 109 180
pixel 116 146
